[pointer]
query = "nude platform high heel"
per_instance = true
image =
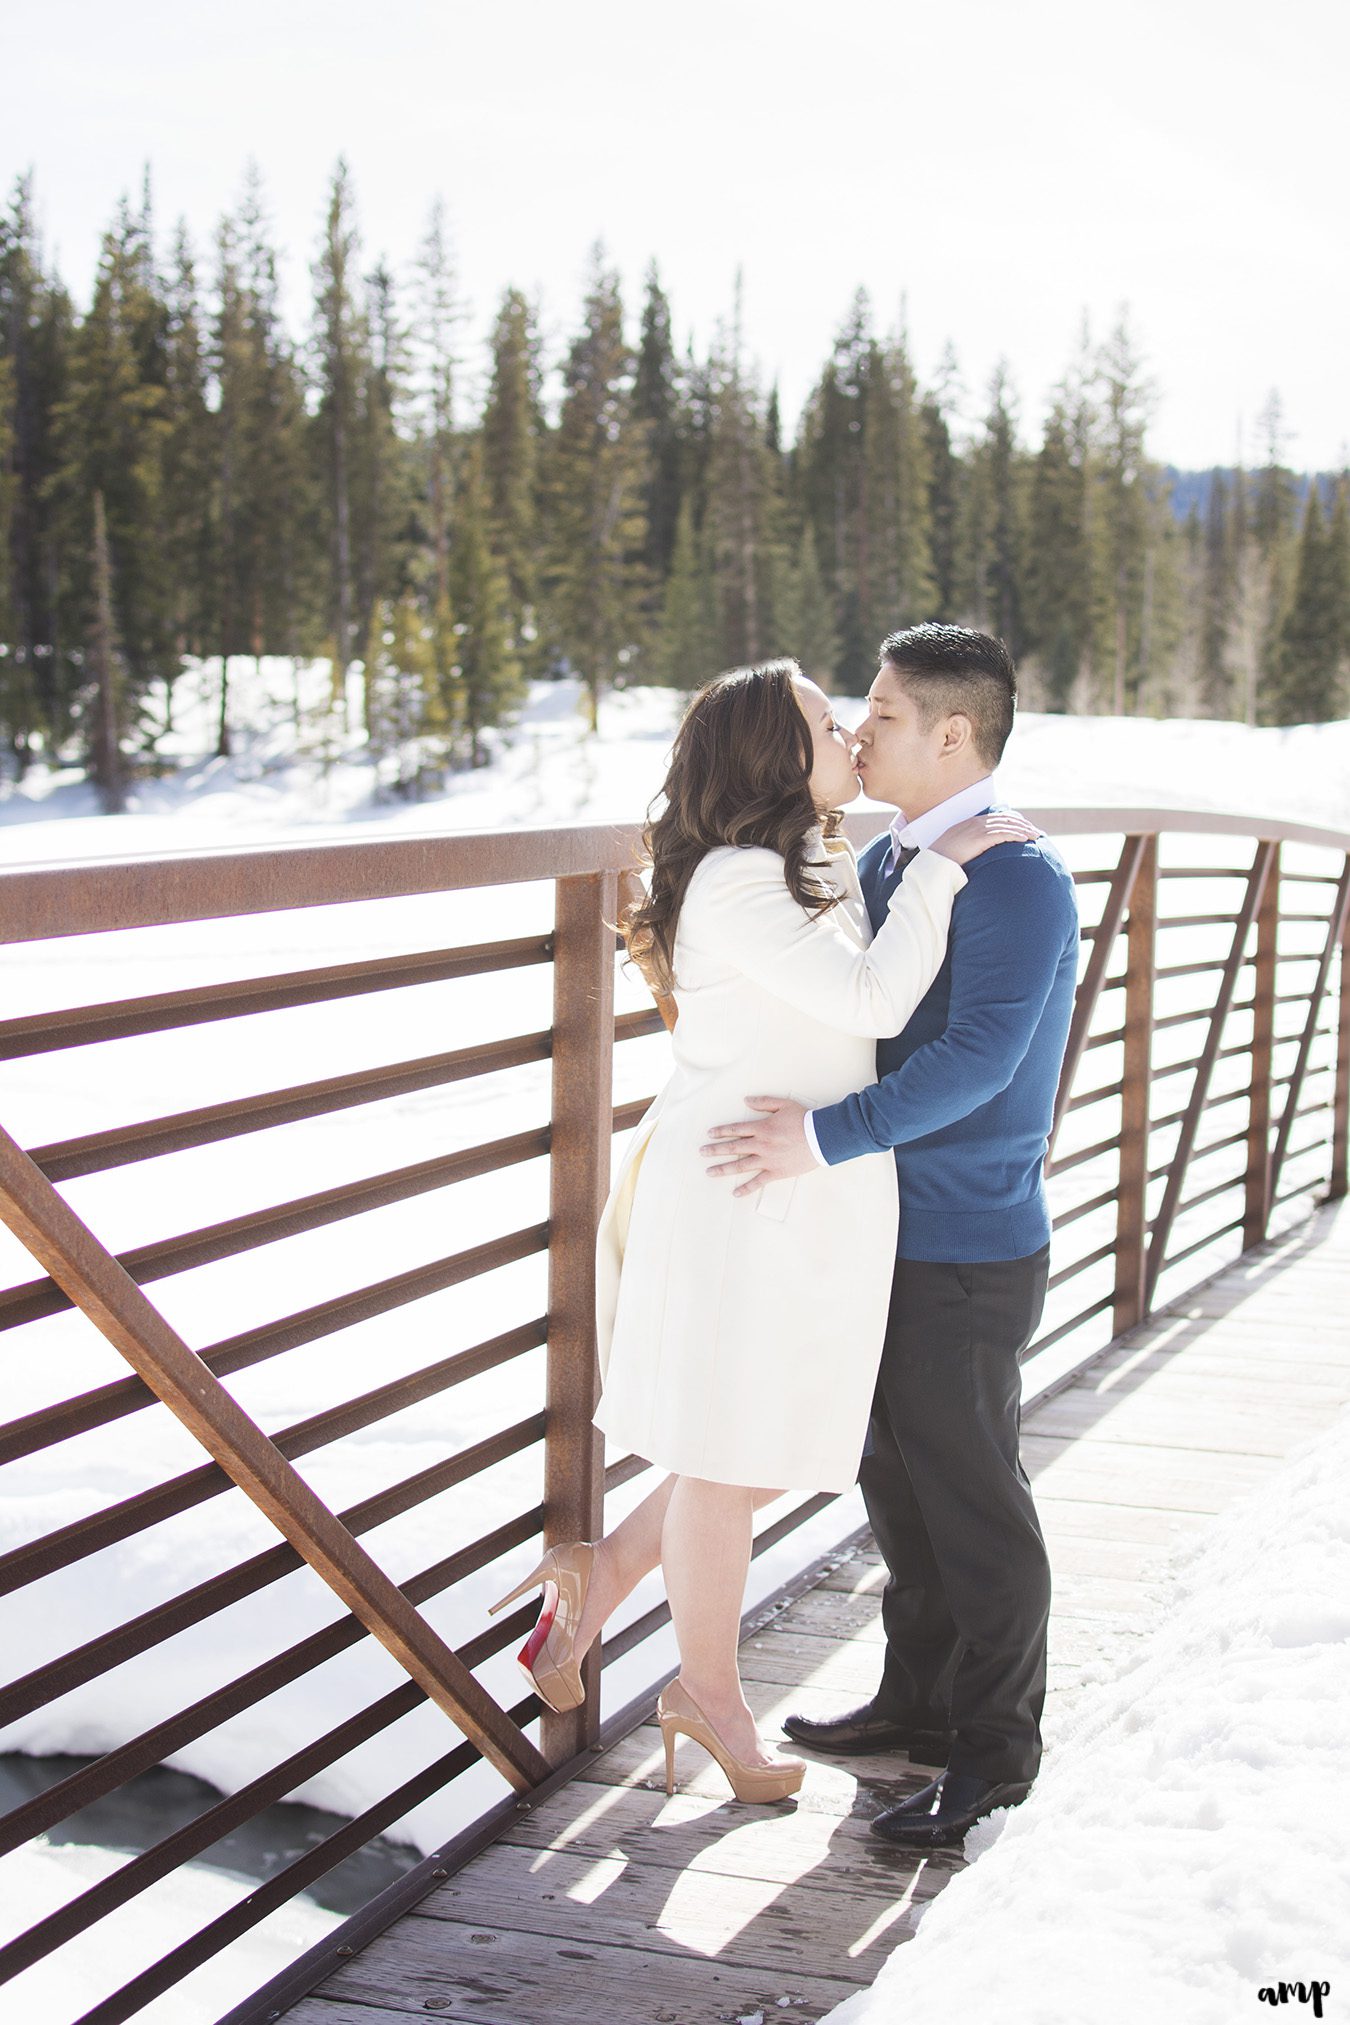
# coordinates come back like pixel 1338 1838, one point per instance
pixel 680 1714
pixel 547 1655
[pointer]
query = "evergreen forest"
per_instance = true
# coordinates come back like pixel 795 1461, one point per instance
pixel 183 476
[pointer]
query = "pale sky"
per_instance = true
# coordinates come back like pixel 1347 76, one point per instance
pixel 1001 166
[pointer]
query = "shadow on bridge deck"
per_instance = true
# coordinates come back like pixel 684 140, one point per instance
pixel 612 1905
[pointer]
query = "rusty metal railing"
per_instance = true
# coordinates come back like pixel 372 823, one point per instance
pixel 1206 1091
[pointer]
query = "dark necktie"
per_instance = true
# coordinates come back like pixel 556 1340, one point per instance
pixel 902 857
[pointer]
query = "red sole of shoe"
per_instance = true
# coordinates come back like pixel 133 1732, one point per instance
pixel 538 1638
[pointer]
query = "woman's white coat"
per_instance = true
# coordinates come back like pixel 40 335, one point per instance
pixel 739 1338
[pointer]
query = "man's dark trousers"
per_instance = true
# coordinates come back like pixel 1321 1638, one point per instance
pixel 967 1606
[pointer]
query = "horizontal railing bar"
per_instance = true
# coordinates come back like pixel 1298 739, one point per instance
pixel 43 902
pixel 1080 1209
pixel 1218 1188
pixel 106 1403
pixel 658 1616
pixel 288 1219
pixel 1200 1245
pixel 1203 968
pixel 1203 1153
pixel 1062 1164
pixel 632 1026
pixel 80 1026
pixel 1319 919
pixel 1205 871
pixel 1107 1040
pixel 1093 1097
pixel 104 1775
pixel 1299 1187
pixel 622 1472
pixel 1092 878
pixel 136 1514
pixel 208 1598
pixel 1214 1103
pixel 96 1152
pixel 625 1116
pixel 1107 1251
pixel 1052 1336
pixel 1311 879
pixel 1197 921
pixel 286 1884
pixel 1202 1012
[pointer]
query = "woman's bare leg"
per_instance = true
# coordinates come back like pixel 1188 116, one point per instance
pixel 631 1551
pixel 705 1552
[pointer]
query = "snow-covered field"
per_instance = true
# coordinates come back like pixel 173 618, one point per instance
pixel 549 772
pixel 1185 1847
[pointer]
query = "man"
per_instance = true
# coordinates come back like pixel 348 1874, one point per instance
pixel 964 1096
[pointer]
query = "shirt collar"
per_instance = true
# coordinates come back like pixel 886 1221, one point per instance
pixel 925 830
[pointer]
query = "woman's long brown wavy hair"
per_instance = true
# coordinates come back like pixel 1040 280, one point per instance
pixel 740 773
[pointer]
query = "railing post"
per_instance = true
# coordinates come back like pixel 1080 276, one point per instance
pixel 1132 1196
pixel 1340 1131
pixel 1256 1216
pixel 583 1102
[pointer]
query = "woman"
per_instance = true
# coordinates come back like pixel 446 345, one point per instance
pixel 739 1337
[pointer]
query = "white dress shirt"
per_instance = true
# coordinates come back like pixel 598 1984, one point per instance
pixel 921 835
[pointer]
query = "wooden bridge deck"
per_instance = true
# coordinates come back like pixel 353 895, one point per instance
pixel 612 1905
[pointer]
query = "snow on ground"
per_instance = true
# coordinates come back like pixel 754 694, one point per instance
pixel 40 1879
pixel 1186 1845
pixel 548 771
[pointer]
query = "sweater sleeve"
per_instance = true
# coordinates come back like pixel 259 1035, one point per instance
pixel 743 913
pixel 1008 940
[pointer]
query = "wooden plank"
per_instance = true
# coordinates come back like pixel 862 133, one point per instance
pixel 1180 1480
pixel 1226 1426
pixel 747 1921
pixel 424 1966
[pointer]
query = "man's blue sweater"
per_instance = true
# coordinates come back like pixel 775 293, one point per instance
pixel 966 1093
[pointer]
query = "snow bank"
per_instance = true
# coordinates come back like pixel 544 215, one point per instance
pixel 39 1879
pixel 1188 1843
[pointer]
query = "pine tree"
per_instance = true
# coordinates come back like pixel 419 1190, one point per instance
pixel 381 495
pixel 688 648
pixel 106 762
pixel 111 427
pixel 804 613
pixel 405 707
pixel 657 409
pixel 341 363
pixel 1125 518
pixel 438 313
pixel 738 521
pixel 35 332
pixel 596 527
pixel 993 522
pixel 1308 685
pixel 188 461
pixel 1218 591
pixel 1058 573
pixel 487 679
pixel 512 433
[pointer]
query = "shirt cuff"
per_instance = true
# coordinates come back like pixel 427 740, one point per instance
pixel 808 1126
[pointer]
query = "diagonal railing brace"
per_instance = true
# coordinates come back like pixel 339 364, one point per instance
pixel 107 1294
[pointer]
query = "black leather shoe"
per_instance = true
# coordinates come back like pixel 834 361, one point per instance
pixel 862 1731
pixel 941 1812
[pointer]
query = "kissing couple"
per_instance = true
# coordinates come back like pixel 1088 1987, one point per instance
pixel 839 1286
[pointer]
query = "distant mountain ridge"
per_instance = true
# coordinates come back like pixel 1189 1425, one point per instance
pixel 1191 489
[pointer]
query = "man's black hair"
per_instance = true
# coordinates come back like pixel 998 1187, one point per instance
pixel 951 668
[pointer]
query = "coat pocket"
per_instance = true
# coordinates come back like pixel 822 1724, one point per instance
pixel 775 1200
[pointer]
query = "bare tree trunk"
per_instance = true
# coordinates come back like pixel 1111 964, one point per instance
pixel 108 769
